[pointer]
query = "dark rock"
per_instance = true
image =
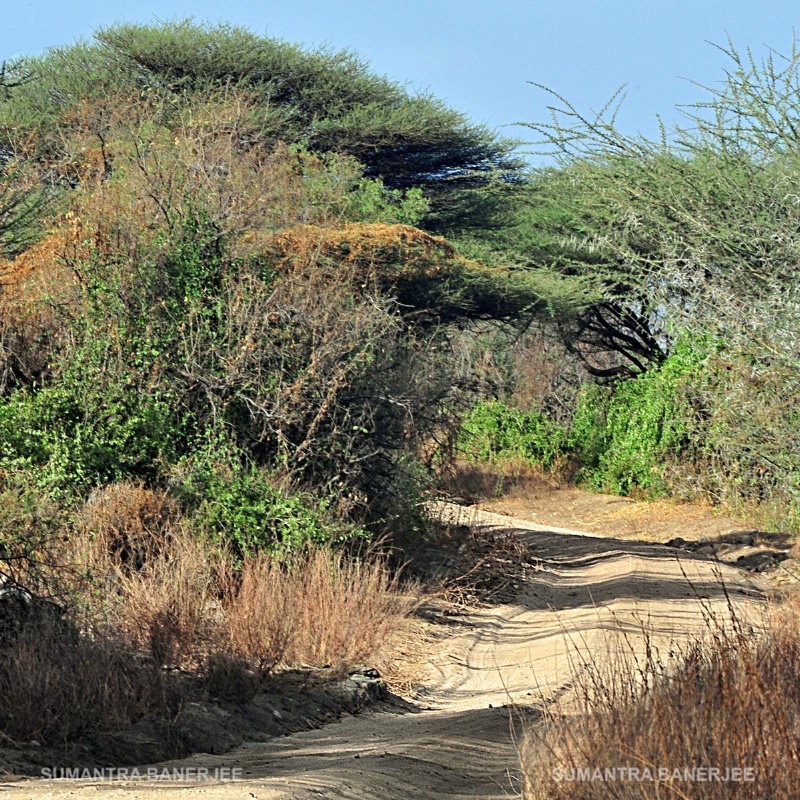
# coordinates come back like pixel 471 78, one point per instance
pixel 363 688
pixel 367 672
pixel 208 729
pixel 676 542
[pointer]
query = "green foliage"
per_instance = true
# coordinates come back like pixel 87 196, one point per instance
pixel 29 521
pixel 76 434
pixel 494 431
pixel 589 435
pixel 625 439
pixel 244 508
pixel 110 414
pixel 630 438
pixel 193 268
pixel 690 242
pixel 693 232
pixel 372 202
pixel 517 236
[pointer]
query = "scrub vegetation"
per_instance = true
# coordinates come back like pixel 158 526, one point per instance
pixel 256 302
pixel 680 380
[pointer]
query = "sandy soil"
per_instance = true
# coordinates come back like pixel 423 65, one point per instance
pixel 587 595
pixel 704 529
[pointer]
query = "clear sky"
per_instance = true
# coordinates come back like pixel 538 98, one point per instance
pixel 476 54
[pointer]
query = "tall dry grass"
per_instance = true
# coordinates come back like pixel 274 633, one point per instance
pixel 181 597
pixel 730 702
pixel 324 609
pixel 57 685
pixel 151 596
pixel 150 579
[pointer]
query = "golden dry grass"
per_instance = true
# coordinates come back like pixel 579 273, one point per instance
pixel 180 598
pixel 731 702
pixel 324 609
pixel 149 594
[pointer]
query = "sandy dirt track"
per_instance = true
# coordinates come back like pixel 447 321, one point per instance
pixel 586 596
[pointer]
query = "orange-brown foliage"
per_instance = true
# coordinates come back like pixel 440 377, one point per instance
pixel 402 252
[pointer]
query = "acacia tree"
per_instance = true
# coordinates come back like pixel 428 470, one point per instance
pixel 324 100
pixel 693 238
pixel 21 210
pixel 696 231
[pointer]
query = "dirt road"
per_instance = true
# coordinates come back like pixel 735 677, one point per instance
pixel 587 595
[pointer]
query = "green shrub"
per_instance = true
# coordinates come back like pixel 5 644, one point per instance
pixel 73 438
pixel 624 438
pixel 246 509
pixel 184 295
pixel 495 431
pixel 30 523
pixel 588 436
pixel 692 236
pixel 629 437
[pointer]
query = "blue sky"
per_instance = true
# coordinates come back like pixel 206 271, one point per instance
pixel 477 55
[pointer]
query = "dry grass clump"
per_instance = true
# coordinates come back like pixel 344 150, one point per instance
pixel 127 511
pixel 180 598
pixel 324 609
pixel 192 605
pixel 150 595
pixel 163 607
pixel 122 526
pixel 152 578
pixel 57 685
pixel 731 703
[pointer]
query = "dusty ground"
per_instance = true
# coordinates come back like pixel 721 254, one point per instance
pixel 577 594
pixel 703 529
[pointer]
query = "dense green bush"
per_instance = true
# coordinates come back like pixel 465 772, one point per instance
pixel 495 431
pixel 688 239
pixel 187 292
pixel 245 508
pixel 296 377
pixel 632 437
pixel 711 423
pixel 73 437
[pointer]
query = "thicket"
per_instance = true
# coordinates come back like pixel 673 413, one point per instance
pixel 692 242
pixel 223 301
pixel 230 340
